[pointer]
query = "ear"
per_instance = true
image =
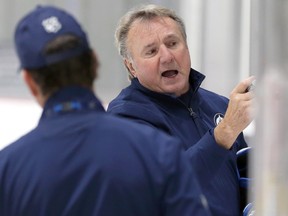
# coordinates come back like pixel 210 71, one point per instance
pixel 96 65
pixel 32 86
pixel 130 67
pixel 96 59
pixel 29 82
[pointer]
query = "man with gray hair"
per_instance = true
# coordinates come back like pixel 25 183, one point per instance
pixel 165 93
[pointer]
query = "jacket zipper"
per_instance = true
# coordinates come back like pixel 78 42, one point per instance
pixel 200 125
pixel 192 113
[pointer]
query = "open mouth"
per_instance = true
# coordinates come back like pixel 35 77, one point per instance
pixel 169 73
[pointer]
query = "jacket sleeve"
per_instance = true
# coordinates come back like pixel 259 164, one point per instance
pixel 207 156
pixel 183 194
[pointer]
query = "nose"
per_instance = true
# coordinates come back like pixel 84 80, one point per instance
pixel 166 56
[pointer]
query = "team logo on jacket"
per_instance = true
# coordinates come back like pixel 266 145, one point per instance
pixel 218 118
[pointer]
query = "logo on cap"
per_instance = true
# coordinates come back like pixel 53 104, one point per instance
pixel 218 118
pixel 51 24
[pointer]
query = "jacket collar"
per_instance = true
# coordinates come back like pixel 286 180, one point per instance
pixel 195 79
pixel 69 99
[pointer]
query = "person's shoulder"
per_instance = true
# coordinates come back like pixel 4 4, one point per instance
pixel 15 148
pixel 131 102
pixel 128 95
pixel 143 133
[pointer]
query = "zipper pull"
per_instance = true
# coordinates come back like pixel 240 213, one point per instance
pixel 191 111
pixel 200 124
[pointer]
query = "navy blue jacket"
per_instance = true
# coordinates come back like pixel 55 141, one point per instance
pixel 81 161
pixel 193 122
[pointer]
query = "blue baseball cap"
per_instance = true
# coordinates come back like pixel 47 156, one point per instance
pixel 40 26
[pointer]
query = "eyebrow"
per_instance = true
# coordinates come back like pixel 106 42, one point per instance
pixel 171 36
pixel 149 45
pixel 166 38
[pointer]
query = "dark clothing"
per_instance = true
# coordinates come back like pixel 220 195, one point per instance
pixel 192 118
pixel 79 161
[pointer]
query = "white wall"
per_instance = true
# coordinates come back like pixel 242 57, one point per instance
pixel 218 37
pixel 18 116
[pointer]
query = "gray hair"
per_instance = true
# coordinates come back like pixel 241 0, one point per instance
pixel 144 12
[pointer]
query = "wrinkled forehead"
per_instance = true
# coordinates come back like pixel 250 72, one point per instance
pixel 143 27
pixel 148 21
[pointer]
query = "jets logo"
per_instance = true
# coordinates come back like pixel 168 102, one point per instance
pixel 51 24
pixel 218 118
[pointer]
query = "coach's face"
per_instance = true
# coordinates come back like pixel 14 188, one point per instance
pixel 159 55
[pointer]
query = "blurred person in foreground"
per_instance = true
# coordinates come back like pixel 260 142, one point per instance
pixel 165 93
pixel 79 160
